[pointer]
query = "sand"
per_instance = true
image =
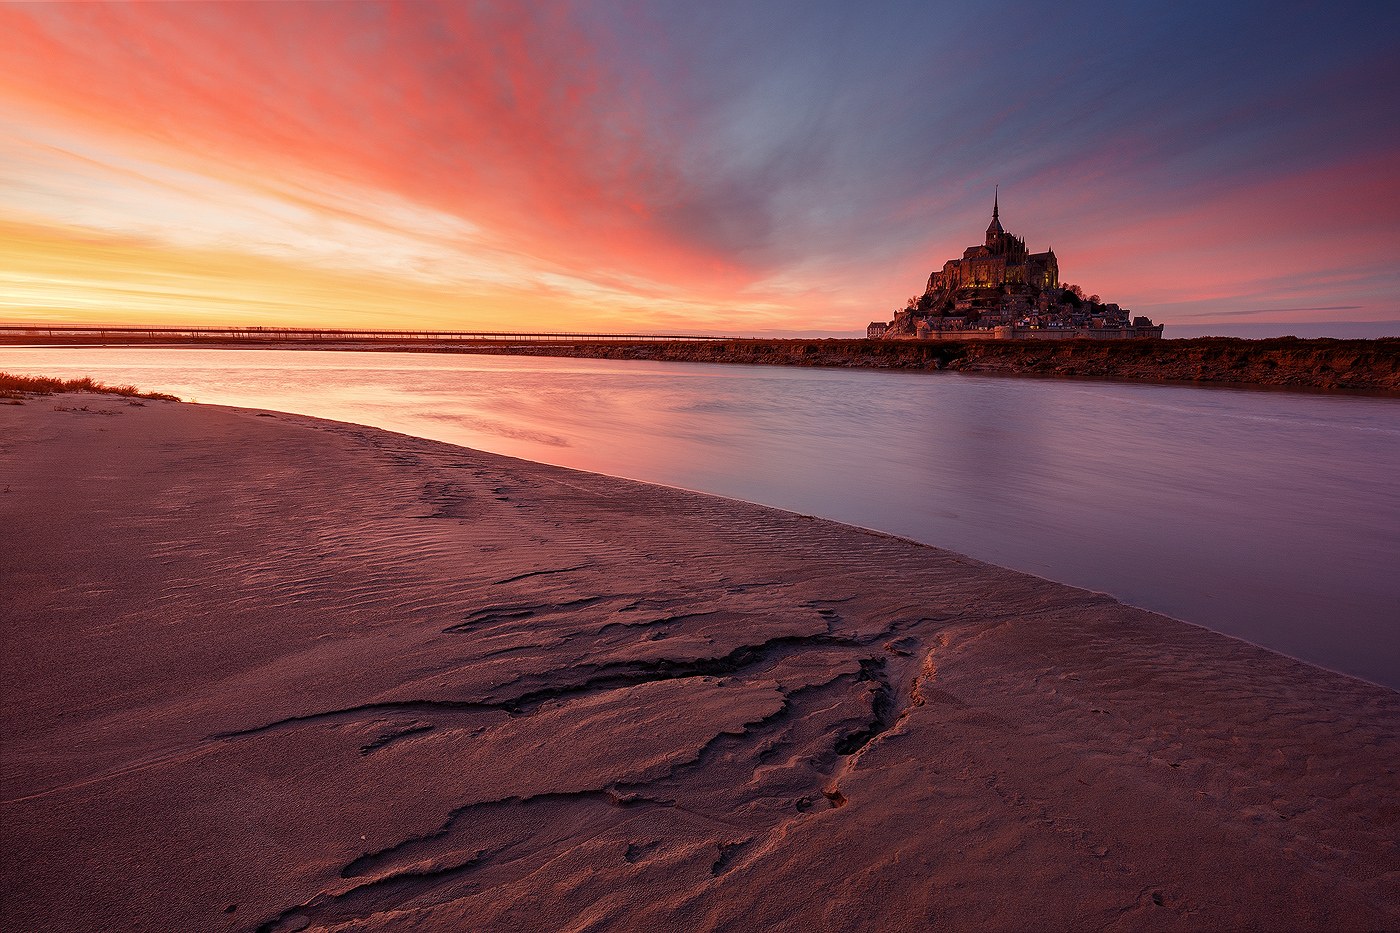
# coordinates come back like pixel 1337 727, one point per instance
pixel 276 673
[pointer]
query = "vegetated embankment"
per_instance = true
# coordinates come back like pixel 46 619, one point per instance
pixel 15 389
pixel 1284 361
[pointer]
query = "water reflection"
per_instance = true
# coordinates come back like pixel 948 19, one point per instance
pixel 1271 516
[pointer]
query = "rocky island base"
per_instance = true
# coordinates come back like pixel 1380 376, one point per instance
pixel 264 672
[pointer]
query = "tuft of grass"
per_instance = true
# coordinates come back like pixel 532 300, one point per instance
pixel 19 387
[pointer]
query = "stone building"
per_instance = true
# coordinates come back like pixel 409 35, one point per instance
pixel 1002 266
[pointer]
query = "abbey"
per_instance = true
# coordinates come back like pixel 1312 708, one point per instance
pixel 1002 263
pixel 1000 289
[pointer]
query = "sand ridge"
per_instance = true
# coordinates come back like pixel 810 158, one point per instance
pixel 265 672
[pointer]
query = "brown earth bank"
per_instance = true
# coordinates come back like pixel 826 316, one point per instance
pixel 264 672
pixel 1286 361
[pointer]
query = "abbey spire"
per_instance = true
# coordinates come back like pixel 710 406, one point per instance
pixel 994 230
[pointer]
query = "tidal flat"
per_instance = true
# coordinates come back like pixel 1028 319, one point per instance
pixel 270 672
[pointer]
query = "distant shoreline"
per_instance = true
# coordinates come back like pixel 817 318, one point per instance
pixel 1318 363
pixel 1321 363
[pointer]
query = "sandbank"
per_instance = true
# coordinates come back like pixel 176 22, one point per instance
pixel 269 672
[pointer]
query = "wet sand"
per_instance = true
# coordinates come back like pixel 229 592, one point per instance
pixel 265 672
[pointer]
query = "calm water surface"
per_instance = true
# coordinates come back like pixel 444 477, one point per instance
pixel 1272 516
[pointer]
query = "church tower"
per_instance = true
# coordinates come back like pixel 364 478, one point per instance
pixel 994 230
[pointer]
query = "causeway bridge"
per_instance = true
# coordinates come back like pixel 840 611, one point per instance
pixel 105 335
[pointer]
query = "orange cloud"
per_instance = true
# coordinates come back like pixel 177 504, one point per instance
pixel 584 168
pixel 503 118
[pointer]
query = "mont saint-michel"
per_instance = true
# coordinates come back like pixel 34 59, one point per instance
pixel 1000 289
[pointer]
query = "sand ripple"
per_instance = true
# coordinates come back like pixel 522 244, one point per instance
pixel 279 673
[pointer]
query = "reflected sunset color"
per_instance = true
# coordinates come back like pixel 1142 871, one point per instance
pixel 1229 508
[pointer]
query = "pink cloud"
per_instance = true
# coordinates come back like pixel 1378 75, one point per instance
pixel 505 117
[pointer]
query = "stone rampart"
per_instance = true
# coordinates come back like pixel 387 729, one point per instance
pixel 1037 333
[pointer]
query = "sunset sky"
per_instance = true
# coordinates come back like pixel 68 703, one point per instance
pixel 729 168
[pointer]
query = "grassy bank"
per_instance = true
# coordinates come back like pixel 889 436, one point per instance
pixel 21 387
pixel 1285 361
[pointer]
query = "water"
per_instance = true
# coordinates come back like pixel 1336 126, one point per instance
pixel 1273 516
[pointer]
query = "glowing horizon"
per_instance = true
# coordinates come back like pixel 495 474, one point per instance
pixel 654 169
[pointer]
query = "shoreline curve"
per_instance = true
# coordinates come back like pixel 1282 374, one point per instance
pixel 269 672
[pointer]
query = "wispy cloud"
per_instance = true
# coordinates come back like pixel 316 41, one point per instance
pixel 1279 311
pixel 726 167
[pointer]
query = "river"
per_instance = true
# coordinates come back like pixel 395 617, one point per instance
pixel 1270 515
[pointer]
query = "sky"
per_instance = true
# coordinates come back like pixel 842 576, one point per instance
pixel 691 168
